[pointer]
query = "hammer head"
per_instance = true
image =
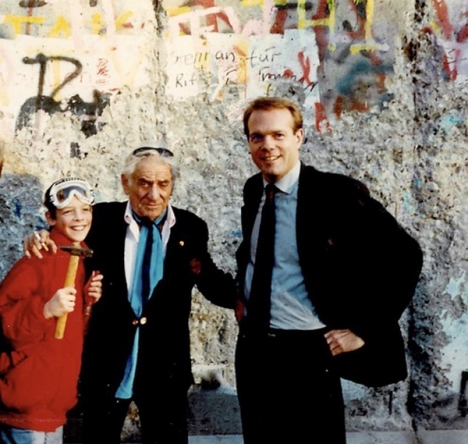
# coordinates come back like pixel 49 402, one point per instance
pixel 76 250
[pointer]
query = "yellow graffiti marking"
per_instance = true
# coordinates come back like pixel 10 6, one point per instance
pixel 369 19
pixel 203 63
pixel 57 78
pixel 369 44
pixel 177 11
pixel 96 23
pixel 248 3
pixel 122 19
pixel 4 97
pixel 61 27
pixel 17 20
pixel 303 23
pixel 435 26
pixel 242 49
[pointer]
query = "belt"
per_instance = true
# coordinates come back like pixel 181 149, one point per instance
pixel 275 333
pixel 278 333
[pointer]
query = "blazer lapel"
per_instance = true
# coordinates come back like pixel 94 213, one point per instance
pixel 252 197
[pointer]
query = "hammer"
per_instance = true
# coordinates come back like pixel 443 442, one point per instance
pixel 76 252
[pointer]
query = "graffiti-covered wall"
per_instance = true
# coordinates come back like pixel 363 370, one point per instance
pixel 383 87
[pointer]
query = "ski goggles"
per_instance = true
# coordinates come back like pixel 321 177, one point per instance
pixel 62 192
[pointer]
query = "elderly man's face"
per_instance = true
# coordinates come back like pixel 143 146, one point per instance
pixel 149 188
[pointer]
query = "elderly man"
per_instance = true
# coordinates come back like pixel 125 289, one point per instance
pixel 137 346
pixel 326 273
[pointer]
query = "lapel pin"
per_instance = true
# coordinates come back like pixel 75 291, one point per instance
pixel 181 243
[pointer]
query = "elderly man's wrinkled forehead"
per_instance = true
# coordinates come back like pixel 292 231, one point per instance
pixel 150 167
pixel 134 162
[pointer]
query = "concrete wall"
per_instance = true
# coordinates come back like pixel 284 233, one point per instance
pixel 383 85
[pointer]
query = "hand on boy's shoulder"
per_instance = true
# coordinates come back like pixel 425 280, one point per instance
pixel 39 240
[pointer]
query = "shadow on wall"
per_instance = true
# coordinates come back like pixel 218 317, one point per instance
pixel 20 215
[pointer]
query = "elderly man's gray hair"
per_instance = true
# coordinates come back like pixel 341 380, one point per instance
pixel 149 150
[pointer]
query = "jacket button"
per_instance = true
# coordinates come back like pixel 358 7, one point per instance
pixel 135 322
pixel 143 320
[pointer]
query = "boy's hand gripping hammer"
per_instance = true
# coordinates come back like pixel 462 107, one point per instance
pixel 75 253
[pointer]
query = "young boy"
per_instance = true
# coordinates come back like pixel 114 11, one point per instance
pixel 39 373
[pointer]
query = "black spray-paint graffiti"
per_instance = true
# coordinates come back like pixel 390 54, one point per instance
pixel 87 111
pixel 32 3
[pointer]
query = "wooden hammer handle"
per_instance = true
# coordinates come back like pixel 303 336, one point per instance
pixel 69 282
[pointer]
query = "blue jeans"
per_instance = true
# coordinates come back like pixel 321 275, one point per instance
pixel 12 435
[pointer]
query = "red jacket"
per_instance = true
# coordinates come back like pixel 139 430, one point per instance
pixel 38 373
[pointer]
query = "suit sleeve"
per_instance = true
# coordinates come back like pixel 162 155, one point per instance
pixel 383 263
pixel 218 287
pixel 364 278
pixel 252 194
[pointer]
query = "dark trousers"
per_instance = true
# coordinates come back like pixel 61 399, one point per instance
pixel 287 389
pixel 162 412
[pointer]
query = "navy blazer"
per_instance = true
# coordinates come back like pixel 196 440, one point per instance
pixel 164 347
pixel 360 268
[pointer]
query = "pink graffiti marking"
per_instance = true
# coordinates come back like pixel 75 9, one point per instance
pixel 321 35
pixel 321 121
pixel 211 18
pixel 280 20
pixel 305 65
pixel 443 16
pixel 450 33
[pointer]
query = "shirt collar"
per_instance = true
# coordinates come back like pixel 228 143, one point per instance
pixel 286 183
pixel 130 220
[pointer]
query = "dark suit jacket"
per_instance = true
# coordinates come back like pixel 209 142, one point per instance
pixel 164 347
pixel 360 268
